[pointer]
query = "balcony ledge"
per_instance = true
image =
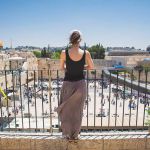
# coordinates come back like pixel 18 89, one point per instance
pixel 88 141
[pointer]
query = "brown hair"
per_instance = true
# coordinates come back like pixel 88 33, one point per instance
pixel 75 37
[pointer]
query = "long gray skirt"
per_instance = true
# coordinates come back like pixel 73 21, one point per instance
pixel 70 109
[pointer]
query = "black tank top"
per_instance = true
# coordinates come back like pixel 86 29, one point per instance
pixel 74 69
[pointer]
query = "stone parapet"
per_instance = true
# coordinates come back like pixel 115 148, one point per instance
pixel 43 141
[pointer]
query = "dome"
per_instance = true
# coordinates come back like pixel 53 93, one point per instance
pixel 1 43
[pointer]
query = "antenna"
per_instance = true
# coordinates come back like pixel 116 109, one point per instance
pixel 84 46
pixel 48 47
pixel 11 43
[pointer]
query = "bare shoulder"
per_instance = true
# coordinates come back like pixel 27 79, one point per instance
pixel 87 53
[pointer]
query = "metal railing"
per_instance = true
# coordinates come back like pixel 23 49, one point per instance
pixel 116 100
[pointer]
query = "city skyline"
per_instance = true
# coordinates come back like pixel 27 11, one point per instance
pixel 111 23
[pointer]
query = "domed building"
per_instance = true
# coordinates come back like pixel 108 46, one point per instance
pixel 1 44
pixel 148 48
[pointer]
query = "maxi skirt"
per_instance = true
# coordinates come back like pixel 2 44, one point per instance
pixel 70 109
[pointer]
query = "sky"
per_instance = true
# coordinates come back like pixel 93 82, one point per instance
pixel 42 22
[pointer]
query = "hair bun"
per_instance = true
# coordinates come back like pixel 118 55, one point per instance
pixel 75 37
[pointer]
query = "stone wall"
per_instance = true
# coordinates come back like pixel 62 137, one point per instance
pixel 128 61
pixel 45 63
pixel 86 142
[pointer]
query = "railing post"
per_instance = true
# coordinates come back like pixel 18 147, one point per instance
pixel 130 102
pixel 20 87
pixel 123 95
pixel 102 97
pixel 8 113
pixel 146 99
pixel 27 90
pixel 95 85
pixel 50 101
pixel 35 102
pixel 87 100
pixel 13 88
pixel 137 110
pixel 1 121
pixel 42 98
pixel 109 97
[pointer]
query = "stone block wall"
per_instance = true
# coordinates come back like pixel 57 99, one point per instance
pixel 47 142
pixel 45 63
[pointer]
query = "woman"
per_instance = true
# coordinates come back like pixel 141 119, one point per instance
pixel 73 91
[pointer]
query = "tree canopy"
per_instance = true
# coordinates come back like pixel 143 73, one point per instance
pixel 44 52
pixel 56 55
pixel 97 51
pixel 37 53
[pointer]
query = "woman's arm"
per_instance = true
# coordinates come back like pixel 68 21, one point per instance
pixel 62 60
pixel 89 62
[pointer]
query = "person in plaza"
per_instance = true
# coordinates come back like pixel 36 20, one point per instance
pixel 73 92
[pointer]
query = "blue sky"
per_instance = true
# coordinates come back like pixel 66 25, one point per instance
pixel 43 22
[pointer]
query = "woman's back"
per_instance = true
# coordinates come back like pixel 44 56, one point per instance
pixel 74 65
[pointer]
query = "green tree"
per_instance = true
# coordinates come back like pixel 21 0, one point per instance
pixel 37 53
pixel 55 55
pixel 44 52
pixel 97 51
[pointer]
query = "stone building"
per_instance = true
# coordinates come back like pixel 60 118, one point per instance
pixel 4 62
pixel 15 61
pixel 29 62
pixel 1 44
pixel 126 52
